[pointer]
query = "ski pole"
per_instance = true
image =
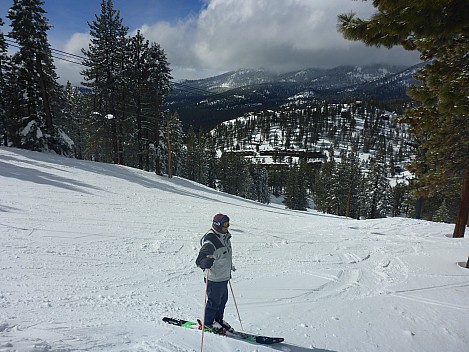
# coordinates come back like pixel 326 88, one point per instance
pixel 236 305
pixel 205 307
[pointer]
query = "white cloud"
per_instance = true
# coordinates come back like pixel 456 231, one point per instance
pixel 274 34
pixel 174 39
pixel 280 35
pixel 76 42
pixel 70 71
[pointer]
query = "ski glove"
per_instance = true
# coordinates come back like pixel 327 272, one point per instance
pixel 206 263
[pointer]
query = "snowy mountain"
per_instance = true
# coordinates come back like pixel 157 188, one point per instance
pixel 209 101
pixel 234 79
pixel 93 255
pixel 339 77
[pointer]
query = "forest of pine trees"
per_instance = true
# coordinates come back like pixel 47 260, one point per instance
pixel 312 155
pixel 439 31
pixel 118 120
pixel 345 159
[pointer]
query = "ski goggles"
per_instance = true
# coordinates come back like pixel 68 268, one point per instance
pixel 222 224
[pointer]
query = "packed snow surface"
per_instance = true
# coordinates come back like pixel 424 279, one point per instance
pixel 93 256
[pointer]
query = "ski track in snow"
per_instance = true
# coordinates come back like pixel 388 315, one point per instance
pixel 92 256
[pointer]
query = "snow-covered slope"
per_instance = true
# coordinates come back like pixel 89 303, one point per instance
pixel 92 256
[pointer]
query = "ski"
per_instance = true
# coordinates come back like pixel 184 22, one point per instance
pixel 264 340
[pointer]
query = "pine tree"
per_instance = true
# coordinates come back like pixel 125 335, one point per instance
pixel 39 93
pixel 74 121
pixel 325 189
pixel 295 190
pixel 289 193
pixel 3 92
pixel 103 61
pixel 400 199
pixel 172 146
pixel 12 98
pixel 442 214
pixel 191 164
pixel 129 79
pixel 439 30
pixel 261 184
pixel 200 163
pixel 137 73
pixel 158 87
pixel 350 179
pixel 377 189
pixel 211 161
pixel 234 176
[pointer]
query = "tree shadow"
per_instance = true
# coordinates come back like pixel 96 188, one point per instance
pixel 6 209
pixel 33 175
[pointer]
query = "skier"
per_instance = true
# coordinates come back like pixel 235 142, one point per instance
pixel 216 257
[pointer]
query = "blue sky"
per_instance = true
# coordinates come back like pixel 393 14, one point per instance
pixel 70 16
pixel 202 38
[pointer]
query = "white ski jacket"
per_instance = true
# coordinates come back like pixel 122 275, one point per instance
pixel 217 246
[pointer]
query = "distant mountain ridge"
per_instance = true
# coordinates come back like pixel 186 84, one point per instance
pixel 208 101
pixel 315 77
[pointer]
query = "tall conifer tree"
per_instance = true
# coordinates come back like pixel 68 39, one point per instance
pixel 75 119
pixel 40 94
pixel 377 189
pixel 172 145
pixel 158 87
pixel 350 179
pixel 260 178
pixel 295 190
pixel 439 30
pixel 191 165
pixel 137 75
pixel 103 61
pixel 326 186
pixel 3 93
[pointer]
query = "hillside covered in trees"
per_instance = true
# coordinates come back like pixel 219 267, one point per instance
pixel 338 155
pixel 345 156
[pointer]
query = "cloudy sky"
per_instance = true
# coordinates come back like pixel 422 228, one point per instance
pixel 206 37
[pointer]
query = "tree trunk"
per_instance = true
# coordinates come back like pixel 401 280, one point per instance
pixel 170 166
pixel 140 142
pixel 461 220
pixel 3 109
pixel 115 145
pixel 5 129
pixel 157 134
pixel 120 141
pixel 418 208
pixel 349 197
pixel 45 96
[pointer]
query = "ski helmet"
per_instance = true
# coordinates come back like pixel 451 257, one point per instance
pixel 220 221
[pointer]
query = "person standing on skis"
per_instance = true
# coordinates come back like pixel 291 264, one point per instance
pixel 215 258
